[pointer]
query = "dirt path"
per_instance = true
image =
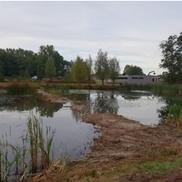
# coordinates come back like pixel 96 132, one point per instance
pixel 123 145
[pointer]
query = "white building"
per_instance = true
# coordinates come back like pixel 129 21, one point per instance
pixel 137 79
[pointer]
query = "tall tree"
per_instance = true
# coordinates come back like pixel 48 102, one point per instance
pixel 78 71
pixel 49 51
pixel 133 70
pixel 172 58
pixel 114 69
pixel 50 70
pixel 102 66
pixel 89 63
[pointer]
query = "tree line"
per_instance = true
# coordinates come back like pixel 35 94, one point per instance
pixel 48 63
pixel 26 63
pixel 104 68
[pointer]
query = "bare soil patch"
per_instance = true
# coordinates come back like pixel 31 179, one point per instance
pixel 123 143
pixel 53 97
pixel 78 107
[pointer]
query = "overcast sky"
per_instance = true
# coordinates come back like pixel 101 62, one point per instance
pixel 129 31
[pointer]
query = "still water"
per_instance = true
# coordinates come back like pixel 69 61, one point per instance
pixel 73 136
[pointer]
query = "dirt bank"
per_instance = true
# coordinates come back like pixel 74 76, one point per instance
pixel 52 97
pixel 77 107
pixel 123 145
pixel 123 138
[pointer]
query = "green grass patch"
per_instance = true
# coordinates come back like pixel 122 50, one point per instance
pixel 159 168
pixel 59 89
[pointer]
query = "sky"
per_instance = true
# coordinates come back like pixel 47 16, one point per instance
pixel 131 31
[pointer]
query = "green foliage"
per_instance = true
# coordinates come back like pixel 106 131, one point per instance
pixel 37 144
pixel 114 69
pixel 1 77
pixel 50 70
pixel 20 89
pixel 20 62
pixel 89 71
pixel 78 71
pixel 132 70
pixel 49 51
pixel 102 66
pixel 40 62
pixel 60 90
pixel 172 58
pixel 159 168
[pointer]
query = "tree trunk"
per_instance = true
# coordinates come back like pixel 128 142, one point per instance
pixel 102 82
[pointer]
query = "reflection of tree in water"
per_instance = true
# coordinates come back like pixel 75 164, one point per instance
pixel 106 103
pixel 34 102
pixel 136 95
pixel 79 97
pixel 77 114
pixel 172 106
pixel 126 97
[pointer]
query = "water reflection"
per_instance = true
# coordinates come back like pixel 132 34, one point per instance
pixel 76 136
pixel 45 109
pixel 105 103
pixel 137 105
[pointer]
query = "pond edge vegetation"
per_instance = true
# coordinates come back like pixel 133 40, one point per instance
pixel 63 89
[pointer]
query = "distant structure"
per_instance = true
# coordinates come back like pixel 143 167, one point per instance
pixel 137 79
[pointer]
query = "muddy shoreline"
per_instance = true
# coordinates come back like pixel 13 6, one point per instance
pixel 122 144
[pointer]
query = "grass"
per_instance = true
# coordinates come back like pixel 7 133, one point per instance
pixel 158 88
pixel 59 89
pixel 16 88
pixel 127 168
pixel 159 168
pixel 32 156
pixel 172 112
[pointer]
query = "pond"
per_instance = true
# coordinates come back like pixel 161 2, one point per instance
pixel 72 136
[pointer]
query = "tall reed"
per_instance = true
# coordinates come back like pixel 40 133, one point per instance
pixel 34 153
pixel 20 89
pixel 38 142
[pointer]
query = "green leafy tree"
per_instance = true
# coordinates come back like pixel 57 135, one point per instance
pixel 50 70
pixel 11 65
pixel 172 58
pixel 1 77
pixel 114 69
pixel 40 66
pixel 78 71
pixel 49 51
pixel 89 72
pixel 133 70
pixel 102 66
